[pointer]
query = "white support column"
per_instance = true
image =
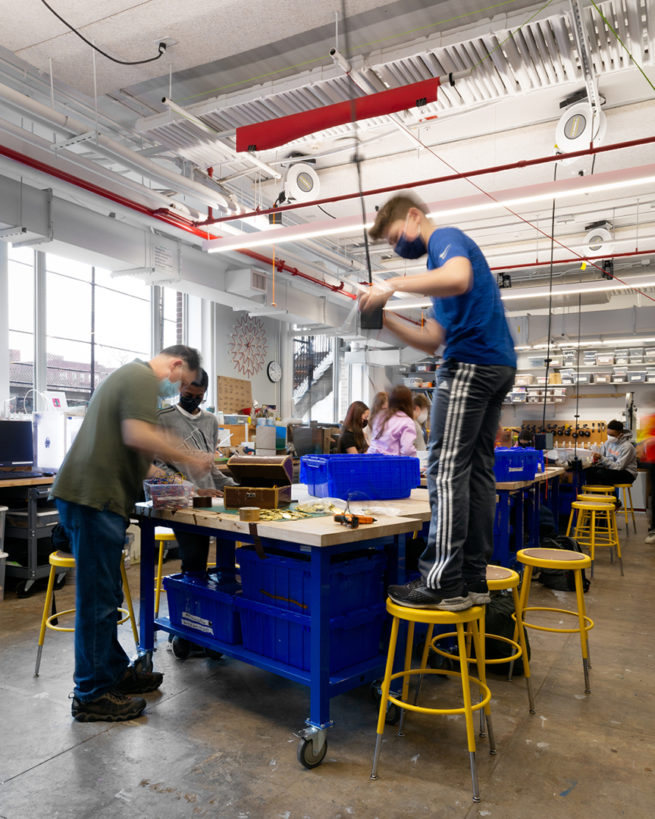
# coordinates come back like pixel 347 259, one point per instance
pixel 40 331
pixel 4 328
pixel 208 348
pixel 156 320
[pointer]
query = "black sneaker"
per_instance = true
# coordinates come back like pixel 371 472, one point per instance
pixel 135 681
pixel 479 593
pixel 112 706
pixel 417 595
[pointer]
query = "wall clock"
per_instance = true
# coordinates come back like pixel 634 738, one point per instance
pixel 274 371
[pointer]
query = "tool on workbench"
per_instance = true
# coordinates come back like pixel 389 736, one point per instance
pixel 350 519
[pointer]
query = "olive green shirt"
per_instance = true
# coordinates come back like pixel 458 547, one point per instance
pixel 100 470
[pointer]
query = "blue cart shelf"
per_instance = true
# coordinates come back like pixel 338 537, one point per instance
pixel 321 542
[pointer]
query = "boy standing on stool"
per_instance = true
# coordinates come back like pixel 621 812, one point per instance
pixel 477 372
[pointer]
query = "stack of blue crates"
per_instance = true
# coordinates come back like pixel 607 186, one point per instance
pixel 517 464
pixel 276 607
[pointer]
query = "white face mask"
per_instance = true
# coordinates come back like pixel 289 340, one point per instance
pixel 423 416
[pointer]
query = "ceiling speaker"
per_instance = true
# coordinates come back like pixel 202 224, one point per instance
pixel 301 183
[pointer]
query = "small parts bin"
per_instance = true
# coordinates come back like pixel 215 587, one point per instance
pixel 168 495
pixel 360 477
pixel 198 604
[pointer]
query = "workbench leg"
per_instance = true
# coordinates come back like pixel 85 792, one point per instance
pixel 320 638
pixel 534 515
pixel 501 539
pixel 225 560
pixel 147 588
pixel 519 519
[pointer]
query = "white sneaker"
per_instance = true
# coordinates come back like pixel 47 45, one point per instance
pixel 650 538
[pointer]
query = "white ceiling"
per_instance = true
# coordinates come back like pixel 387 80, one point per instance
pixel 229 63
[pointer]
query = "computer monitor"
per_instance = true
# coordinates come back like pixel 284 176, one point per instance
pixel 308 440
pixel 16 446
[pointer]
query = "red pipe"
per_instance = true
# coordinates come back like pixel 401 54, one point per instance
pixel 160 214
pixel 523 163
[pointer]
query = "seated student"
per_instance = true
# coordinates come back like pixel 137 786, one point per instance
pixel 199 430
pixel 526 439
pixel 421 410
pixel 380 402
pixel 617 460
pixel 394 430
pixel 351 439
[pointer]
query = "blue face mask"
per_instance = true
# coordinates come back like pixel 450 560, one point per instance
pixel 167 389
pixel 410 248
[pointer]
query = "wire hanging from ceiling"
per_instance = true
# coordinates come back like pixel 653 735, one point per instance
pixel 161 47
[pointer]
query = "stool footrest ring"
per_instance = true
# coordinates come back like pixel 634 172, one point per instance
pixel 484 691
pixel 589 623
pixel 443 653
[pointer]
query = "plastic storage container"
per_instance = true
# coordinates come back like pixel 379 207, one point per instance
pixel 168 495
pixel 285 636
pixel 515 464
pixel 360 477
pixel 284 582
pixel 198 604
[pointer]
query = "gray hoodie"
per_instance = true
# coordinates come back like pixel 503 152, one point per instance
pixel 619 453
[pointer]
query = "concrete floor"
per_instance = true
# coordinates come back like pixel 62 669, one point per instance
pixel 218 739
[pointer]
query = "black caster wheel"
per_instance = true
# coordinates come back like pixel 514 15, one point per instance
pixel 306 755
pixel 181 647
pixel 24 588
pixel 60 581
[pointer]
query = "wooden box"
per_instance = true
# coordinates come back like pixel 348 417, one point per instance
pixel 264 481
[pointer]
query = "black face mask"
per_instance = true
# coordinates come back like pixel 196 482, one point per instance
pixel 364 423
pixel 190 403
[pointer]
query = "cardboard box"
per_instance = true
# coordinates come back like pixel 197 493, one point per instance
pixel 264 481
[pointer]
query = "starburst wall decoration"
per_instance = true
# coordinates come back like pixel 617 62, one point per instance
pixel 248 346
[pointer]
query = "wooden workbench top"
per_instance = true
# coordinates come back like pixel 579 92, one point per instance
pixel 317 531
pixel 43 481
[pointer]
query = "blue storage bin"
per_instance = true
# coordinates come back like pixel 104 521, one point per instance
pixel 285 635
pixel 284 582
pixel 360 477
pixel 515 464
pixel 198 604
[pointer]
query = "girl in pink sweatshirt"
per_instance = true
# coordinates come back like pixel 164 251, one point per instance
pixel 394 430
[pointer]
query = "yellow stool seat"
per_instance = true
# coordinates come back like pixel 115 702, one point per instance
pixel 65 560
pixel 626 493
pixel 595 527
pixel 471 618
pixel 567 560
pixel 598 490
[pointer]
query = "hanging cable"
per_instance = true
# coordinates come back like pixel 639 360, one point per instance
pixel 550 305
pixel 162 46
pixel 577 384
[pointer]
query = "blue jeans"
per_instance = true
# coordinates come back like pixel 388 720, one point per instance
pixel 97 541
pixel 465 414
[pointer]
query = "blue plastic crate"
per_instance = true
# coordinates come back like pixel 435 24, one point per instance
pixel 360 477
pixel 514 464
pixel 285 635
pixel 284 582
pixel 198 604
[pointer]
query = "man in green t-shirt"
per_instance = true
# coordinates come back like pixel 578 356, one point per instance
pixel 95 491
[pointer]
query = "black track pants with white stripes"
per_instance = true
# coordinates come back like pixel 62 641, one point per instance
pixel 465 416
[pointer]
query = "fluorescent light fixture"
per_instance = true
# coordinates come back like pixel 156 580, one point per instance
pixel 477 203
pixel 593 342
pixel 634 283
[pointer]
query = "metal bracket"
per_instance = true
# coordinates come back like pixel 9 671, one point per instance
pixel 317 734
pixel 75 140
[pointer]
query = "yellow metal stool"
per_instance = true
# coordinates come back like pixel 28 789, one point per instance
pixel 565 560
pixel 470 617
pixel 65 560
pixel 162 536
pixel 626 492
pixel 597 490
pixel 595 526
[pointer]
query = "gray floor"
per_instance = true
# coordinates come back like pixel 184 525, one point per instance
pixel 218 740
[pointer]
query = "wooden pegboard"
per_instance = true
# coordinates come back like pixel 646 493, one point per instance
pixel 589 432
pixel 233 394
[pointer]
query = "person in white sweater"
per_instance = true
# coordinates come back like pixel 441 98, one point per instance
pixel 617 460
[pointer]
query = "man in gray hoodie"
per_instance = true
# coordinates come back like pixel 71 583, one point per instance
pixel 199 431
pixel 617 460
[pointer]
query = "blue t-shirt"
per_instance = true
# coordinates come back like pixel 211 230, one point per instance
pixel 475 324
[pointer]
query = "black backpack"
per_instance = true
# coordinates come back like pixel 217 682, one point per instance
pixel 499 620
pixel 561 579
